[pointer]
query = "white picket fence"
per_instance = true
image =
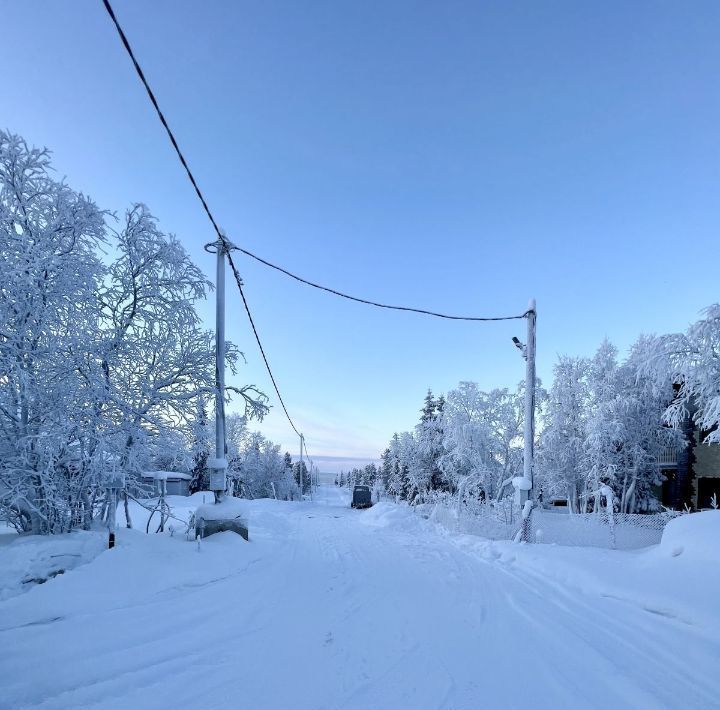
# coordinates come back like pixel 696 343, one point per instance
pixel 621 531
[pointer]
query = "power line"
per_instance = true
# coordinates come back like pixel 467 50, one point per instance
pixel 150 93
pixel 221 237
pixel 373 303
pixel 312 463
pixel 282 270
pixel 238 280
pixel 228 247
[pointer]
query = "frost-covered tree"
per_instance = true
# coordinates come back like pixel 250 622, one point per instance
pixel 156 358
pixel 692 362
pixel 482 444
pixel 100 362
pixel 560 454
pixel 49 274
pixel 262 471
pixel 625 435
pixel 603 427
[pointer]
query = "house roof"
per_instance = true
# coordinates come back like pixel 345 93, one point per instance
pixel 166 475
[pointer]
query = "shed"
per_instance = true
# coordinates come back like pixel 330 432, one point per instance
pixel 176 484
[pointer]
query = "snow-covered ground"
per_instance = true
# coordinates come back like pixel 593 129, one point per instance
pixel 328 608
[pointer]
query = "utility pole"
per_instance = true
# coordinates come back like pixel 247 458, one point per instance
pixel 523 491
pixel 529 452
pixel 300 466
pixel 218 465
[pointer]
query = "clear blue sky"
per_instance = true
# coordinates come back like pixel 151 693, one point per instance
pixel 460 156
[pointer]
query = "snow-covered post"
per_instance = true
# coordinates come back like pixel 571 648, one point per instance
pixel 112 495
pixel 115 483
pixel 607 493
pixel 218 465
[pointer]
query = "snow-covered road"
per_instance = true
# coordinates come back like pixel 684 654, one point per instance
pixel 330 608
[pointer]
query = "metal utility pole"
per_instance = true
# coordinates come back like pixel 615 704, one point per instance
pixel 218 465
pixel 300 466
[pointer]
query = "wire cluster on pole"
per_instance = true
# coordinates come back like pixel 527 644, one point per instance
pixel 228 247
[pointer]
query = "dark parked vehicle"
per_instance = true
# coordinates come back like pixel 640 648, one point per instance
pixel 362 498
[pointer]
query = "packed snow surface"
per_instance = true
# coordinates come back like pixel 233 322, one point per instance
pixel 327 608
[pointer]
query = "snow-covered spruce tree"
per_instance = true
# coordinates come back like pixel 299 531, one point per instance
pixel 393 470
pixel 427 473
pixel 300 468
pixel 201 447
pixel 49 273
pixel 414 474
pixel 370 474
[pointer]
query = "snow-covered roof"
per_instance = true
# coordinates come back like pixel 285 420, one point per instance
pixel 229 508
pixel 166 475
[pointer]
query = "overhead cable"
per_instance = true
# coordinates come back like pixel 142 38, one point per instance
pixel 373 303
pixel 282 270
pixel 228 246
pixel 238 280
pixel 221 237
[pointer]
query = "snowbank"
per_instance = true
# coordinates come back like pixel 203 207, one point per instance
pixel 695 536
pixel 677 579
pixel 29 560
pixel 390 515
